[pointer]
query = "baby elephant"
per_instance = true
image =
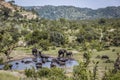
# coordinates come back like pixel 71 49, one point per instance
pixel 104 57
pixel 52 64
pixel 34 52
pixel 69 54
pixel 38 65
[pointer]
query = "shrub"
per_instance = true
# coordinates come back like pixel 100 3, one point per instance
pixel 7 66
pixel 44 44
pixel 57 37
pixel 44 72
pixel 112 76
pixel 30 73
pixel 57 74
pixel 80 72
pixel 80 38
pixel 52 74
pixel 98 56
pixel 1 60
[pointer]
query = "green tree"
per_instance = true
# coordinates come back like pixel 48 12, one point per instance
pixel 57 37
pixel 80 72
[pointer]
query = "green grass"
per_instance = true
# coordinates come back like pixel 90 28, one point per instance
pixel 7 76
pixel 102 66
pixel 112 56
pixel 52 52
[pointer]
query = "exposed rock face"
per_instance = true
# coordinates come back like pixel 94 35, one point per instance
pixel 17 9
pixel 7 5
pixel 29 15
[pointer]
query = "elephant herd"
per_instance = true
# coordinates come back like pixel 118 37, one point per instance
pixel 40 60
pixel 63 56
pixel 61 53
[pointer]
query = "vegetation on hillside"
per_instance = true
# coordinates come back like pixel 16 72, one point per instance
pixel 74 13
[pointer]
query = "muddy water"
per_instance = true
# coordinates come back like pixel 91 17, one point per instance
pixel 29 63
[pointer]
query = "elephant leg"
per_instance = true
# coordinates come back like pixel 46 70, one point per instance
pixel 58 55
pixel 33 53
pixel 67 55
pixel 63 55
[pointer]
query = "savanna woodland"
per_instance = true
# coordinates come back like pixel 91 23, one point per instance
pixel 94 44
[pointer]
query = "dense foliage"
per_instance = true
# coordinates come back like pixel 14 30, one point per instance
pixel 51 74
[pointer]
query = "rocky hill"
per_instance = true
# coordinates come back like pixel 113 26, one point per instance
pixel 9 9
pixel 75 13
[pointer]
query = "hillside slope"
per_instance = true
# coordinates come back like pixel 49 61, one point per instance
pixel 8 9
pixel 75 13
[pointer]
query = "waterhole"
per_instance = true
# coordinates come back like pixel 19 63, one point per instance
pixel 29 63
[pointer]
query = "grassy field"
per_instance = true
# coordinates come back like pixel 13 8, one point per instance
pixel 7 75
pixel 103 66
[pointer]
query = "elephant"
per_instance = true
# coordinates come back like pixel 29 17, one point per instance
pixel 39 53
pixel 52 64
pixel 61 63
pixel 104 57
pixel 34 59
pixel 69 54
pixel 62 59
pixel 43 60
pixel 16 63
pixel 22 61
pixel 34 52
pixel 27 62
pixel 38 65
pixel 61 52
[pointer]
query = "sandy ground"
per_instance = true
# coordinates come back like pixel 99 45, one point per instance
pixel 19 54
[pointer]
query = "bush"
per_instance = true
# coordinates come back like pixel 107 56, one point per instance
pixel 57 38
pixel 80 72
pixel 36 36
pixel 44 44
pixel 44 72
pixel 80 38
pixel 7 66
pixel 57 74
pixel 95 44
pixel 1 60
pixel 52 74
pixel 112 76
pixel 98 56
pixel 30 73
